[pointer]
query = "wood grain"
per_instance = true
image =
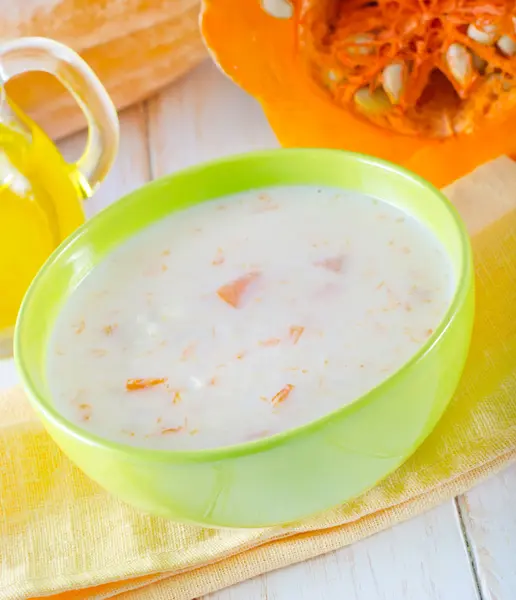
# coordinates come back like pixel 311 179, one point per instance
pixel 422 559
pixel 204 116
pixel 489 516
pixel 480 199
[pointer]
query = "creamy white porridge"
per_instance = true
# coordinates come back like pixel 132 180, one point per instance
pixel 245 316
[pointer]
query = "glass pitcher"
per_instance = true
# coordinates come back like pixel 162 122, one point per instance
pixel 40 193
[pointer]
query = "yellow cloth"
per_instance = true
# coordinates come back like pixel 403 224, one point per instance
pixel 61 532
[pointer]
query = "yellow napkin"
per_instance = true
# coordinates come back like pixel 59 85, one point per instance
pixel 61 534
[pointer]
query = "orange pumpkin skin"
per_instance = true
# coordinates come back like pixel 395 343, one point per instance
pixel 258 52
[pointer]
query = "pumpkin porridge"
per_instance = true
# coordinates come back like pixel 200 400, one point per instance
pixel 242 317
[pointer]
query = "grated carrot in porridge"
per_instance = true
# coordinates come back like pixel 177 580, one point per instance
pixel 331 264
pixel 219 257
pixel 109 329
pixel 233 292
pixel 295 333
pixel 142 384
pixel 172 430
pixel 270 342
pixel 282 395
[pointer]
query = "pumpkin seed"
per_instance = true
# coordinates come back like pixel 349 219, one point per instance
pixel 361 38
pixel 506 45
pixel 334 75
pixel 371 102
pixel 281 9
pixel 393 79
pixel 487 35
pixel 497 79
pixel 460 63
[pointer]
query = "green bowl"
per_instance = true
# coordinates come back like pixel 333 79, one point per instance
pixel 297 473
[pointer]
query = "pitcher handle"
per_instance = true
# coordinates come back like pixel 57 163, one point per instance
pixel 41 54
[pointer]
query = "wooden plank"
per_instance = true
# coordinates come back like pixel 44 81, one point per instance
pixel 8 375
pixel 489 519
pixel 204 116
pixel 422 559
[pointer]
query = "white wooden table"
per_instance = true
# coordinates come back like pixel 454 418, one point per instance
pixel 462 550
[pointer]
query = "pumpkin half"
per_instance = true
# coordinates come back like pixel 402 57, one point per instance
pixel 429 84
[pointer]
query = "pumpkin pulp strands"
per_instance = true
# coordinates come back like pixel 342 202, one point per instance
pixel 425 53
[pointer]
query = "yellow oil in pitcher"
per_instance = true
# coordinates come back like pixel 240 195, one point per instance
pixel 40 205
pixel 40 193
